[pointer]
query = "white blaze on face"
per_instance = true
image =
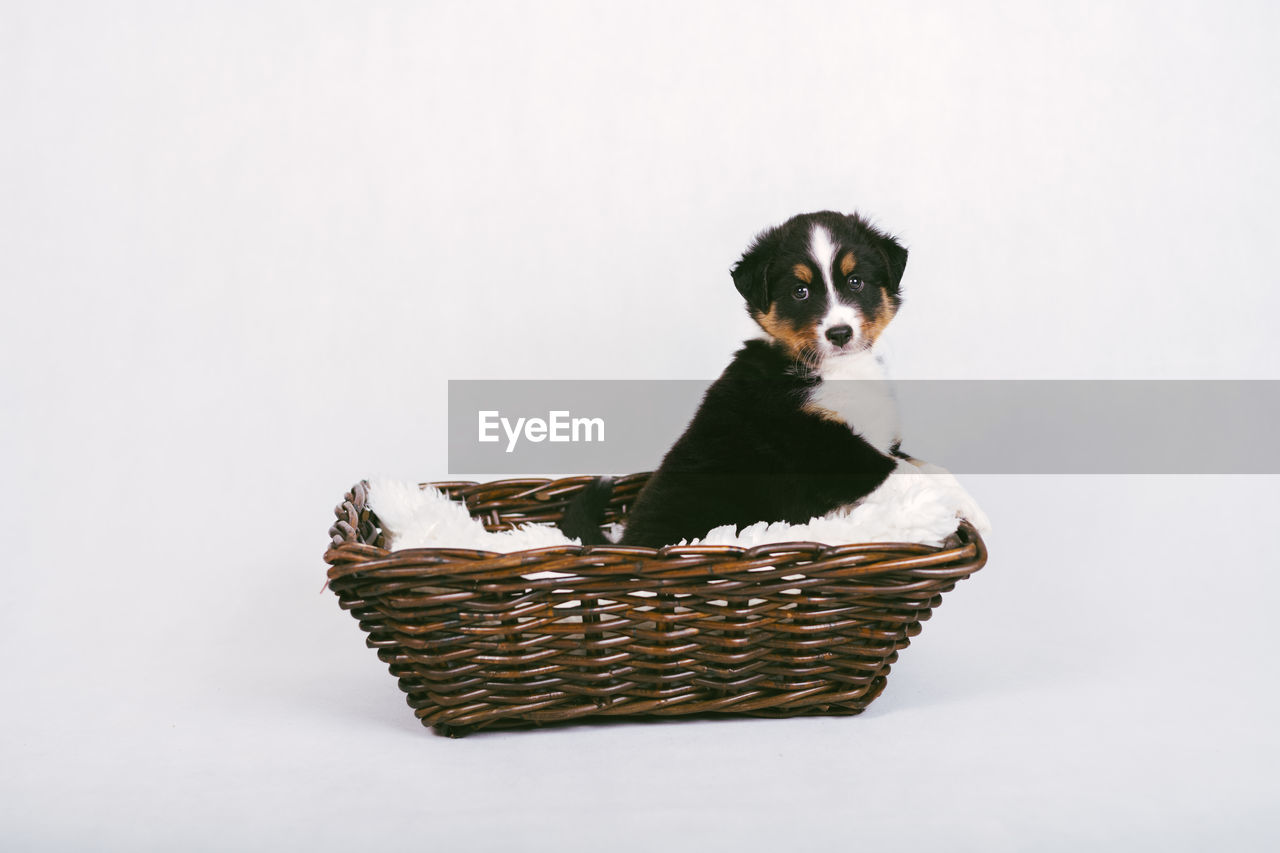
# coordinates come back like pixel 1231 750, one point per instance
pixel 823 251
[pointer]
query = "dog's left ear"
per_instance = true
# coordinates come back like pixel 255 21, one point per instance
pixel 895 258
pixel 751 274
pixel 893 252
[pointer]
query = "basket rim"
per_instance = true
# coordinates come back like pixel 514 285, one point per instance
pixel 348 553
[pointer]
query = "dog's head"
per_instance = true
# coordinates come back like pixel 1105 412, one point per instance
pixel 822 284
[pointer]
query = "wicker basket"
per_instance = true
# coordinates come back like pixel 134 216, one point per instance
pixel 777 630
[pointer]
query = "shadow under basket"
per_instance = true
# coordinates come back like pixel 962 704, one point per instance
pixel 777 630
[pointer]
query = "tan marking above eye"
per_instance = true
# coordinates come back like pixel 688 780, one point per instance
pixel 803 273
pixel 847 263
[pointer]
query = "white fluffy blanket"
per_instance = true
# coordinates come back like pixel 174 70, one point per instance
pixel 916 504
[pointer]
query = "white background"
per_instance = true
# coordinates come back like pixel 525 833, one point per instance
pixel 243 247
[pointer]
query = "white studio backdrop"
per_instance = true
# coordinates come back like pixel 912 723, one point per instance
pixel 243 248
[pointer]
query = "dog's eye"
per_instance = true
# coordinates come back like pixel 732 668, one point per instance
pixel 855 283
pixel 801 293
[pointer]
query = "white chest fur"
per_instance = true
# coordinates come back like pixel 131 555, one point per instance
pixel 855 389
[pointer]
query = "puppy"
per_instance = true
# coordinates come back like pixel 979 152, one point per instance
pixel 802 421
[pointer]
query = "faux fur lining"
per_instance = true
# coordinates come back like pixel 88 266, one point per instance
pixel 913 505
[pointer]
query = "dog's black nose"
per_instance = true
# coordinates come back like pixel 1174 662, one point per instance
pixel 839 335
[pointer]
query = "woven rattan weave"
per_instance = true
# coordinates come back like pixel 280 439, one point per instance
pixel 777 630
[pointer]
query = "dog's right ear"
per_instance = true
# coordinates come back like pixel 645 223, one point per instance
pixel 751 274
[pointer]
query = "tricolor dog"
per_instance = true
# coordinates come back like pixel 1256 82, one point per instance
pixel 803 420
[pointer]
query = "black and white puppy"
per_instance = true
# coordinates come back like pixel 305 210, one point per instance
pixel 802 421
